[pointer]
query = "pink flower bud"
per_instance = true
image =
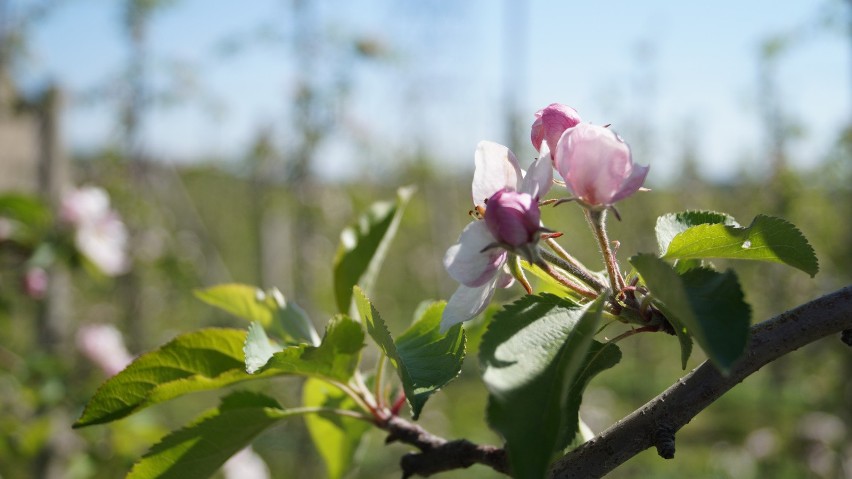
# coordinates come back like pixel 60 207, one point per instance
pixel 35 283
pixel 597 166
pixel 550 123
pixel 513 218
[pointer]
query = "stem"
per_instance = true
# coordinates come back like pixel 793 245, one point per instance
pixel 341 412
pixel 380 369
pixel 571 265
pixel 631 332
pixel 555 274
pixel 358 398
pixel 597 220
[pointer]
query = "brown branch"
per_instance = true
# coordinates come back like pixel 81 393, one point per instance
pixel 437 454
pixel 655 424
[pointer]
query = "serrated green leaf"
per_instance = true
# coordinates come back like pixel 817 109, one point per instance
pixel 363 247
pixel 270 309
pixel 241 300
pixel 537 356
pixel 200 449
pixel 258 349
pixel 707 303
pixel 683 338
pixel 336 437
pixel 336 358
pixel 767 238
pixel 672 224
pixel 197 361
pixel 424 359
pixel 432 359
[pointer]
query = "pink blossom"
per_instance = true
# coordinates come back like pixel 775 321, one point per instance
pixel 103 345
pixel 99 234
pixel 597 165
pixel 36 282
pixel 477 261
pixel 551 121
pixel 84 205
pixel 104 242
pixel 513 218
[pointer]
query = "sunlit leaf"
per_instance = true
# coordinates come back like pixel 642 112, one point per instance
pixel 336 358
pixel 336 437
pixel 201 448
pixel 672 224
pixel 363 247
pixel 269 308
pixel 197 361
pixel 424 359
pixel 766 239
pixel 709 304
pixel 537 357
pixel 258 349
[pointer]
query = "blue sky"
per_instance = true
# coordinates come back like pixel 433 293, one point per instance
pixel 659 71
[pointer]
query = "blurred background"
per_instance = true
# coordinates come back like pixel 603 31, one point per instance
pixel 236 140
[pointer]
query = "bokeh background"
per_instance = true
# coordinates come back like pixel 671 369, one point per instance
pixel 237 139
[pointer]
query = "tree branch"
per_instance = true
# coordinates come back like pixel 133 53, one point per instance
pixel 657 421
pixel 437 454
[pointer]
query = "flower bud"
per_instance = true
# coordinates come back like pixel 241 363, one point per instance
pixel 550 123
pixel 597 166
pixel 513 218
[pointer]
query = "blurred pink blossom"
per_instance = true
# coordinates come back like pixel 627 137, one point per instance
pixel 597 165
pixel 99 235
pixel 36 282
pixel 84 205
pixel 103 345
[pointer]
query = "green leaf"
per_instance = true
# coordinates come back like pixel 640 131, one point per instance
pixel 336 358
pixel 336 437
pixel 197 361
pixel 424 359
pixel 707 303
pixel 363 247
pixel 270 309
pixel 537 356
pixel 766 239
pixel 672 224
pixel 28 210
pixel 683 338
pixel 200 449
pixel 430 359
pixel 258 349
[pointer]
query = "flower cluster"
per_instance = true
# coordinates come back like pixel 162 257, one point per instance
pixel 596 166
pixel 99 233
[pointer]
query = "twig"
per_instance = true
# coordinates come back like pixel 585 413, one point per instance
pixel 675 407
pixel 437 454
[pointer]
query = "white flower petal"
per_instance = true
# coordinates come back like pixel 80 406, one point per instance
pixel 505 278
pixel 465 260
pixel 466 303
pixel 539 178
pixel 496 168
